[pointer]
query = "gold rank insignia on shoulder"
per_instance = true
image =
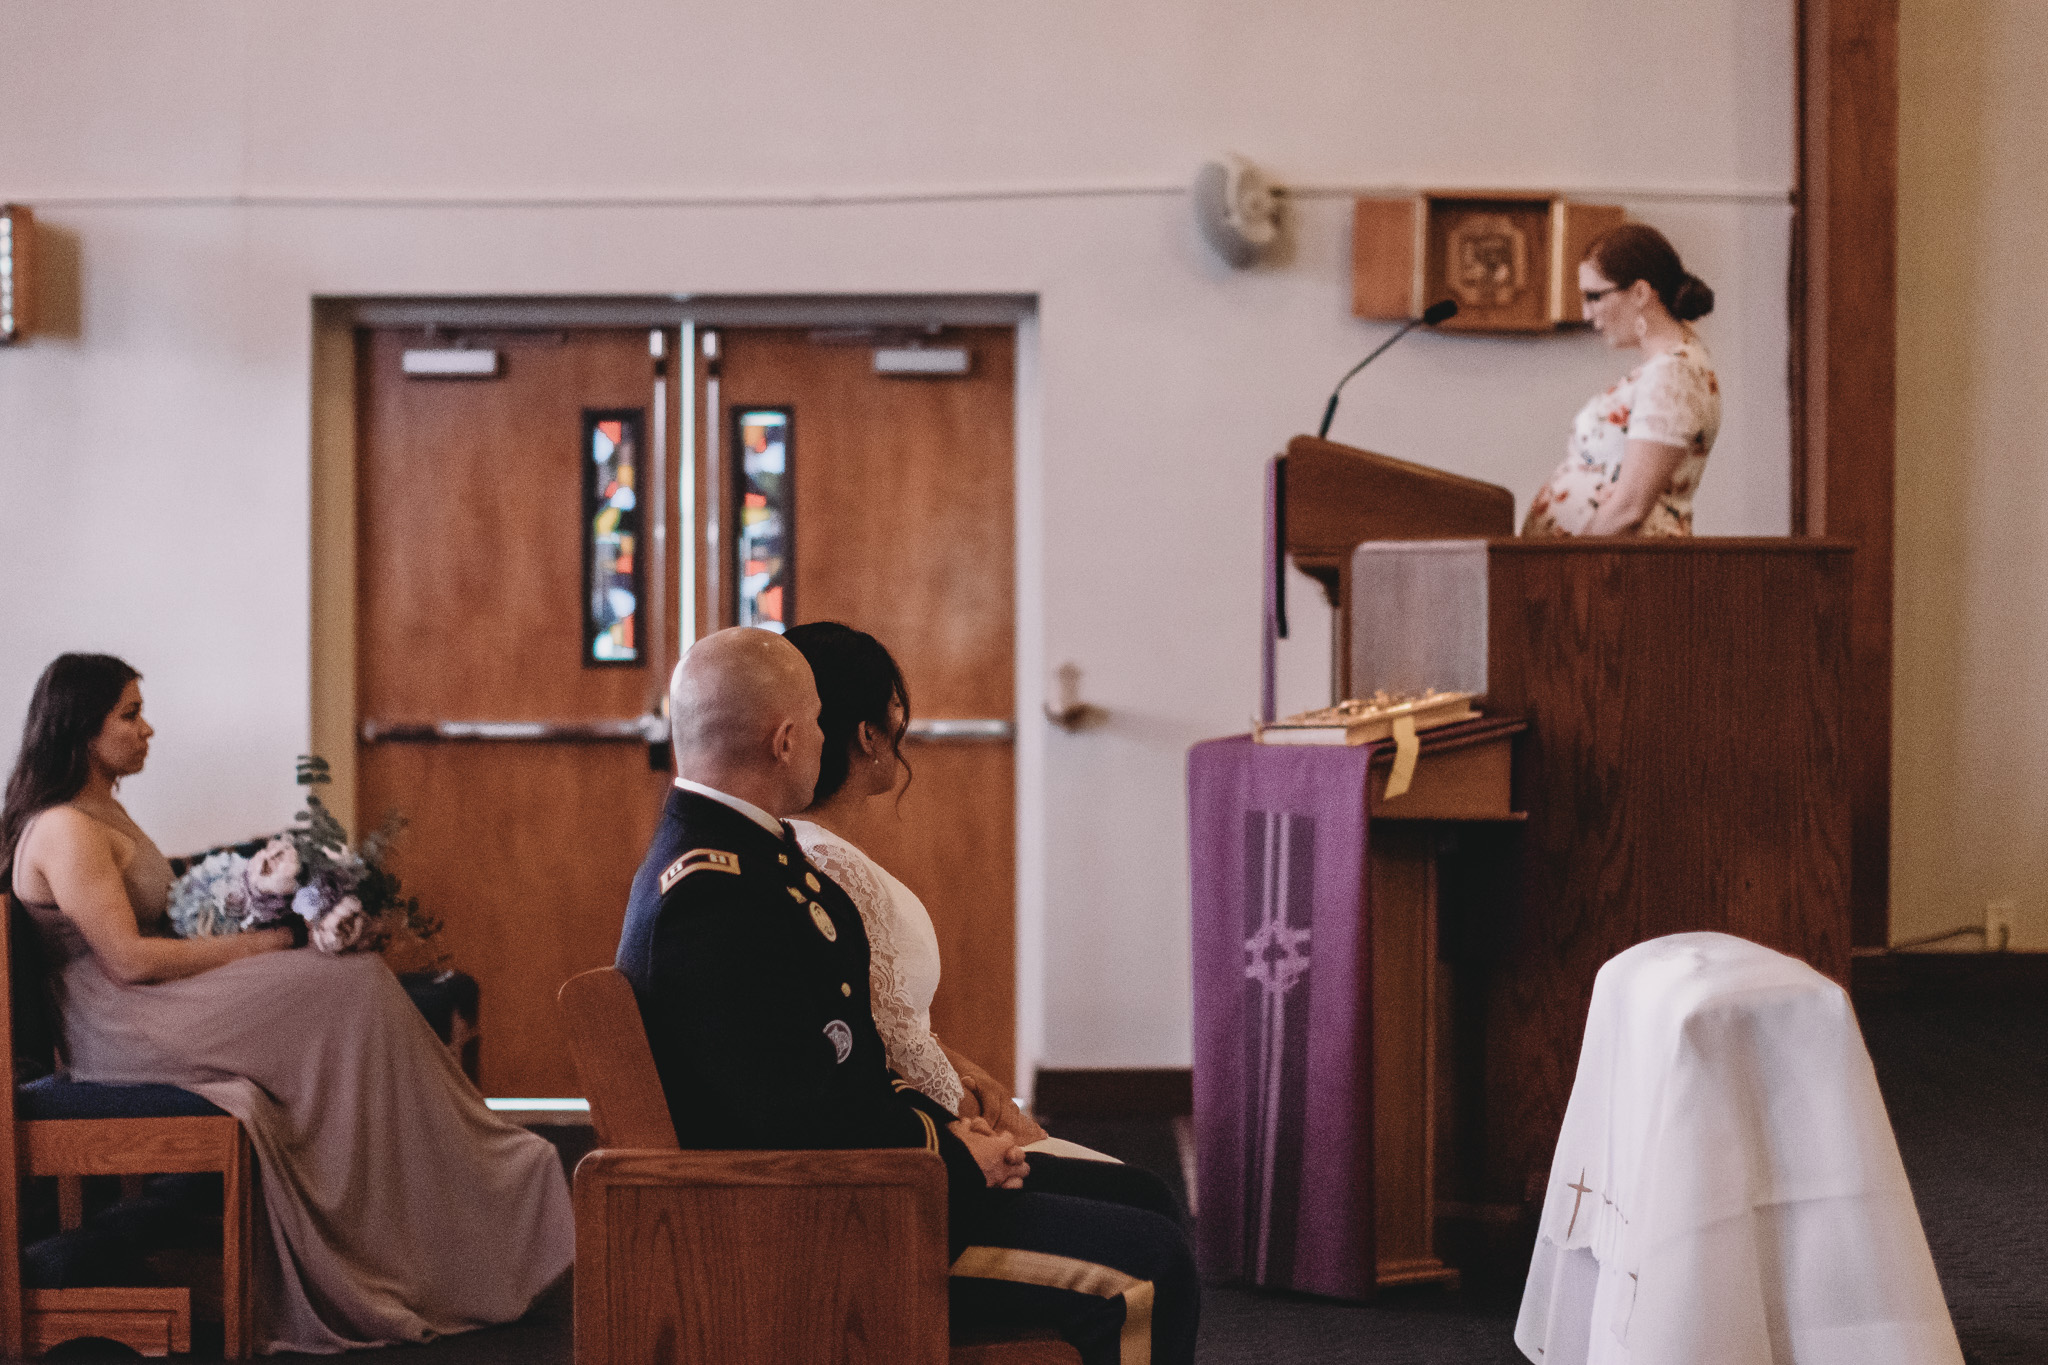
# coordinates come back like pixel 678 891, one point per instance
pixel 824 923
pixel 699 860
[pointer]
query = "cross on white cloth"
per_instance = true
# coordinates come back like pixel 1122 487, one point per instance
pixel 1752 1206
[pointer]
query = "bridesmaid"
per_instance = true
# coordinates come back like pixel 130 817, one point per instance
pixel 398 1207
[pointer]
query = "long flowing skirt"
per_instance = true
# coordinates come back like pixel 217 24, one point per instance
pixel 397 1207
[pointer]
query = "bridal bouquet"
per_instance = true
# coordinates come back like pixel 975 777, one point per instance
pixel 347 898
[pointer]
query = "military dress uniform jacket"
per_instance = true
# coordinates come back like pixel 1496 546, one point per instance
pixel 751 969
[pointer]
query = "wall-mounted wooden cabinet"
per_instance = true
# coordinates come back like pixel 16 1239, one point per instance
pixel 1510 257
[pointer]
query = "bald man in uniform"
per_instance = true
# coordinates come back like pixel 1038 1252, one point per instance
pixel 751 970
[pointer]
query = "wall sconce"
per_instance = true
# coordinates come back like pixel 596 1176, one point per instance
pixel 17 273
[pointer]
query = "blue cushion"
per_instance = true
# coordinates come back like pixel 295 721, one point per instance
pixel 53 1097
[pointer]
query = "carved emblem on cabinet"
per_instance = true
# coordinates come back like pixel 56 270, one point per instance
pixel 1486 260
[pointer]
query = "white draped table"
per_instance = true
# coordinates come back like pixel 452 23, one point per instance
pixel 1726 1188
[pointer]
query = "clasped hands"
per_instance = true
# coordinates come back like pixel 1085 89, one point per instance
pixel 1000 1158
pixel 983 1097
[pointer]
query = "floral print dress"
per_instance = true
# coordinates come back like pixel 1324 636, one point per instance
pixel 1673 399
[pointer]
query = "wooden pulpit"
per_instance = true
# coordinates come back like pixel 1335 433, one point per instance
pixel 1661 753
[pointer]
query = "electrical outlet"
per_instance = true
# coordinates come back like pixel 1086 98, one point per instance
pixel 1998 918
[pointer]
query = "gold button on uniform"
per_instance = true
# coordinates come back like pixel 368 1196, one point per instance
pixel 795 894
pixel 782 858
pixel 845 989
pixel 824 923
pixel 811 880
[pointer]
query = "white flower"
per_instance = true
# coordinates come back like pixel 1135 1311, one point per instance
pixel 307 903
pixel 209 899
pixel 275 871
pixel 341 928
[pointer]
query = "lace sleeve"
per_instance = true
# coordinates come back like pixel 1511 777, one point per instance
pixel 914 1053
pixel 1675 401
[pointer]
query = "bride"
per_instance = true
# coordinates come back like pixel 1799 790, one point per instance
pixel 866 710
pixel 396 1206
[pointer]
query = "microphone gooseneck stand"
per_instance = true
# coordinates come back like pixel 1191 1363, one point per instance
pixel 1441 311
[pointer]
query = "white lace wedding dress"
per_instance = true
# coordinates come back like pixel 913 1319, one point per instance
pixel 903 972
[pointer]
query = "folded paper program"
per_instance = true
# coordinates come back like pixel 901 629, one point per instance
pixel 1726 1187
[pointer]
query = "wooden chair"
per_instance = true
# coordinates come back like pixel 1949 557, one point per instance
pixel 728 1258
pixel 71 1130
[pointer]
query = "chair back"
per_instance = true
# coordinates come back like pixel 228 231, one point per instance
pixel 11 1339
pixel 609 1044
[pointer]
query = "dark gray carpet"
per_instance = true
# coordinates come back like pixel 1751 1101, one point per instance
pixel 1967 1084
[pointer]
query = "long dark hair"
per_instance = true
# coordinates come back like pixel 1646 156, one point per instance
pixel 72 700
pixel 857 679
pixel 1637 251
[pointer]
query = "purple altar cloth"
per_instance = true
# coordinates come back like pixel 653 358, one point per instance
pixel 1283 1015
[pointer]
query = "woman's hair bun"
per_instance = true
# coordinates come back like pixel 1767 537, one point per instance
pixel 1692 299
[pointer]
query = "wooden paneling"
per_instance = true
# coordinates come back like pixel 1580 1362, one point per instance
pixel 1845 288
pixel 1528 310
pixel 1683 771
pixel 1386 269
pixel 527 852
pixel 1339 495
pixel 469 606
pixel 905 528
pixel 1461 781
pixel 780 1258
pixel 1576 228
pixel 1403 900
pixel 953 841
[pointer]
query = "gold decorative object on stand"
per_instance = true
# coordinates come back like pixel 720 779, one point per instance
pixel 1509 257
pixel 1362 720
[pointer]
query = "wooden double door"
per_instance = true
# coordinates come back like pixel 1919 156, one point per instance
pixel 521 545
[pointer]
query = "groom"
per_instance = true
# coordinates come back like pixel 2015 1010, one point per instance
pixel 751 969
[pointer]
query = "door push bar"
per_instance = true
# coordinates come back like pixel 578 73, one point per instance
pixel 638 729
pixel 978 729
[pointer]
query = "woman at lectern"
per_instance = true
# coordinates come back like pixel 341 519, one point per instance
pixel 1637 451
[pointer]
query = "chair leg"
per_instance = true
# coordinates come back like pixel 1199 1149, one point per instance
pixel 70 1201
pixel 236 1231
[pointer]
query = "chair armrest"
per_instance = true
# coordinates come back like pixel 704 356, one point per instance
pixel 735 1255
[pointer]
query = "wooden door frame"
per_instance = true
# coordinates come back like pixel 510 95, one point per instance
pixel 332 510
pixel 1843 298
pixel 332 520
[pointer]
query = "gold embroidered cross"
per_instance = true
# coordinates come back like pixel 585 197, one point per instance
pixel 1583 1190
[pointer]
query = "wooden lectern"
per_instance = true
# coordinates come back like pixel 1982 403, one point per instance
pixel 1681 770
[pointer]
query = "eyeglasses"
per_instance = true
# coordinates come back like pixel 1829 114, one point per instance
pixel 1593 296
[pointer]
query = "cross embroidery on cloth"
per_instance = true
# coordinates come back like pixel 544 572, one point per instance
pixel 1279 894
pixel 1583 1190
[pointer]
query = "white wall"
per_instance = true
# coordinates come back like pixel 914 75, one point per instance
pixel 216 165
pixel 1970 750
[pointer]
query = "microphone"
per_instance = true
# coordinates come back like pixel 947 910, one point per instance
pixel 1443 310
